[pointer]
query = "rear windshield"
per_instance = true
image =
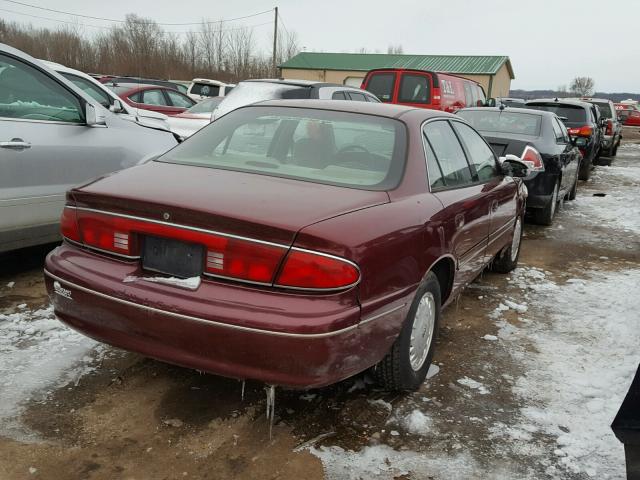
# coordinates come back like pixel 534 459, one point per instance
pixel 605 109
pixel 381 85
pixel 503 122
pixel 570 112
pixel 205 89
pixel 336 148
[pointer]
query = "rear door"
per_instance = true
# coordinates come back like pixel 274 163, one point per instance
pixel 382 85
pixel 465 216
pixel 567 152
pixel 415 90
pixel 500 191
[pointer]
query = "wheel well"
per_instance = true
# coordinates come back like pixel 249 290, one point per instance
pixel 444 270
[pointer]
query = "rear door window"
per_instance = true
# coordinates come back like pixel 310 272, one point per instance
pixel 338 96
pixel 153 97
pixel 177 99
pixel 481 156
pixel 382 85
pixel 557 131
pixel 605 109
pixel 414 89
pixel 357 97
pixel 449 154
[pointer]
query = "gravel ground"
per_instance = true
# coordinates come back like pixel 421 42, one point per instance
pixel 530 370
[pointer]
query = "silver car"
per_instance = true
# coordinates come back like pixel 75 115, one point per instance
pixel 252 91
pixel 53 136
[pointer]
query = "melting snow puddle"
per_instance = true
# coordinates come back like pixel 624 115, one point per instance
pixel 585 335
pixel 38 355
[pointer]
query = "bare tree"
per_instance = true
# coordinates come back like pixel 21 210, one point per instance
pixel 582 86
pixel 395 49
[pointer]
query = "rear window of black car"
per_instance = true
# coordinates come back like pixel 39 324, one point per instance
pixel 503 121
pixel 337 148
pixel 572 113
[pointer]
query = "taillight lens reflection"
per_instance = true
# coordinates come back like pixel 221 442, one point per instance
pixel 532 158
pixel 304 269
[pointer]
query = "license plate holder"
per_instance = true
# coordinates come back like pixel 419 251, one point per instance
pixel 172 257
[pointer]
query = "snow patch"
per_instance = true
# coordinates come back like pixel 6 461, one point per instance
pixel 191 283
pixel 473 384
pixel 38 354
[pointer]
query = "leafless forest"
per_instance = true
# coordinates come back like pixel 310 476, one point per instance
pixel 141 47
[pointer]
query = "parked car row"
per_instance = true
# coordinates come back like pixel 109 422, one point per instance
pixel 303 232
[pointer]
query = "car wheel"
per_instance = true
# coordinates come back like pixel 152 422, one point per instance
pixel 544 216
pixel 507 259
pixel 405 367
pixel 585 170
pixel 574 190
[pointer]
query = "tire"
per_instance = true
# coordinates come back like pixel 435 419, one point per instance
pixel 406 365
pixel 574 190
pixel 585 170
pixel 544 216
pixel 507 258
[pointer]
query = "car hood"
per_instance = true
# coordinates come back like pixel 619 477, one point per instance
pixel 246 204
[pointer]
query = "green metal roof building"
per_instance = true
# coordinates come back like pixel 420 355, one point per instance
pixel 494 73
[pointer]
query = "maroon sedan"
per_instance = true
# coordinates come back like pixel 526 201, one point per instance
pixel 293 242
pixel 153 97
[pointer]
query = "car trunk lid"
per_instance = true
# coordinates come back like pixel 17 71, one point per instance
pixel 256 206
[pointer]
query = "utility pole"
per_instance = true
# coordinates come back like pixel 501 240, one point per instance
pixel 275 43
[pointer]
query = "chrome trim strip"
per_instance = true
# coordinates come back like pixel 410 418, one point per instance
pixel 501 231
pixel 378 315
pixel 239 280
pixel 106 252
pixel 177 225
pixel 202 320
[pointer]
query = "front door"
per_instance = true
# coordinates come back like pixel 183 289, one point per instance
pixel 501 191
pixel 45 148
pixel 465 216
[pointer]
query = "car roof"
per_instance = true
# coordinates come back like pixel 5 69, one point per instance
pixel 589 99
pixel 283 81
pixel 530 111
pixel 133 86
pixel 561 101
pixel 366 108
pixel 209 81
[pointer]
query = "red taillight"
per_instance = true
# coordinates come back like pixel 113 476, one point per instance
pixel 585 131
pixel 532 158
pixel 609 130
pixel 436 96
pixel 309 270
pixel 69 224
pixel 227 256
pixel 241 259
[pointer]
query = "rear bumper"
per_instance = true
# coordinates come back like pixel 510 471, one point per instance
pixel 240 332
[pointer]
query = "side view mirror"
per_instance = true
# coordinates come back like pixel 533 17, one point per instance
pixel 512 166
pixel 603 122
pixel 491 102
pixel 93 117
pixel 116 107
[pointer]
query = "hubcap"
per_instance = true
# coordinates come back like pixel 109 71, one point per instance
pixel 515 243
pixel 422 331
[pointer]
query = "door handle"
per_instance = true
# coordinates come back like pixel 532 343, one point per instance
pixel 459 220
pixel 15 144
pixel 494 206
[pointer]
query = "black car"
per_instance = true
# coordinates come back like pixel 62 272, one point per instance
pixel 541 140
pixel 584 124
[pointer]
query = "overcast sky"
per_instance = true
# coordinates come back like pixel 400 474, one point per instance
pixel 549 41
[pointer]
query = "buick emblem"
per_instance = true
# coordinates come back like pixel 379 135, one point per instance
pixel 166 215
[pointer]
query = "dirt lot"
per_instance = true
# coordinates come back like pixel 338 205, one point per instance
pixel 529 372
